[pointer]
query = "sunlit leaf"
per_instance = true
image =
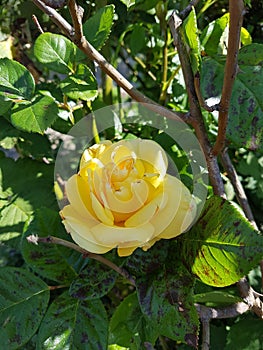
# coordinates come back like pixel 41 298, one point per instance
pixel 56 52
pixel 223 246
pixel 97 28
pixel 192 39
pixel 35 116
pixel 80 85
pixel 16 82
pixel 73 324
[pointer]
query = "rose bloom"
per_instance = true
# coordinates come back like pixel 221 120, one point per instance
pixel 123 197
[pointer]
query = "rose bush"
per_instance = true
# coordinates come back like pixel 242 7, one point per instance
pixel 123 197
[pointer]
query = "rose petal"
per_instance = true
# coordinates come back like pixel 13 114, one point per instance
pixel 78 194
pixel 183 218
pixel 116 236
pixel 103 214
pixel 126 251
pixel 140 191
pixel 147 212
pixel 174 190
pixel 79 230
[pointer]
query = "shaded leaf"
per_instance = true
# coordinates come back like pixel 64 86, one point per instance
pixel 80 85
pixel 56 52
pixel 216 298
pixel 23 302
pixel 49 260
pixel 71 324
pixel 138 39
pixel 16 82
pixel 97 28
pixel 245 127
pixel 166 300
pixel 246 335
pixel 221 251
pixel 141 262
pixel 129 326
pixel 93 282
pixel 36 116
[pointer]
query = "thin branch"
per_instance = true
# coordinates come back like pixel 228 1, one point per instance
pixel 195 110
pixel 208 313
pixel 236 10
pixel 250 297
pixel 55 240
pixel 55 17
pixel 239 190
pixel 37 24
pixel 105 66
pixel 205 334
pixel 183 14
pixel 76 13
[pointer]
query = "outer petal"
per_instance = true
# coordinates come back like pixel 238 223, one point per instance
pixel 173 188
pixel 78 194
pixel 182 219
pixel 126 251
pixel 79 229
pixel 122 236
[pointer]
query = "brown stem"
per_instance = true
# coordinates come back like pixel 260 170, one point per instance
pixel 55 240
pixel 205 334
pixel 250 297
pixel 195 110
pixel 76 13
pixel 185 12
pixel 236 10
pixel 37 24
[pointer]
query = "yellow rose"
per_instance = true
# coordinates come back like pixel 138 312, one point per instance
pixel 122 197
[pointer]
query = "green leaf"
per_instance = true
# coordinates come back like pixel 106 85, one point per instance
pixel 12 219
pixel 246 335
pixel 93 282
pixel 23 302
pixel 223 246
pixel 25 185
pixel 142 263
pixel 80 85
pixel 216 298
pixel 129 326
pixel 211 35
pixel 245 37
pixel 138 39
pixel 16 82
pixel 166 299
pixel 72 324
pixel 36 116
pixel 56 52
pixel 192 39
pixel 97 28
pixel 49 260
pixel 245 127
